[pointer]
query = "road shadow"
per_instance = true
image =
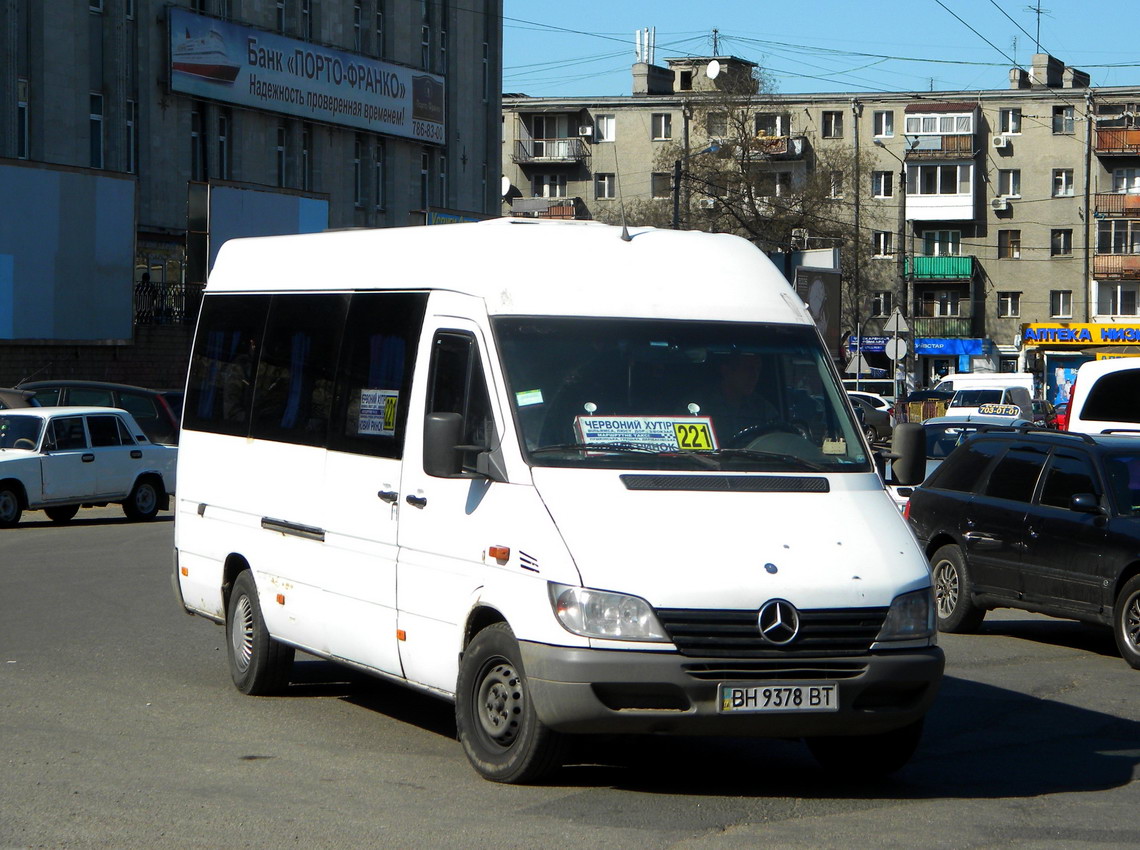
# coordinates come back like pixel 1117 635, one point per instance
pixel 1072 634
pixel 980 742
pixel 39 520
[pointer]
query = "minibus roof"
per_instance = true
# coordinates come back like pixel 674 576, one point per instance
pixel 527 267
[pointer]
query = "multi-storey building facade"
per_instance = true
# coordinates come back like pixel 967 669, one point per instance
pixel 307 113
pixel 986 217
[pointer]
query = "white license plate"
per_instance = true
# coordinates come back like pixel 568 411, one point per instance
pixel 779 696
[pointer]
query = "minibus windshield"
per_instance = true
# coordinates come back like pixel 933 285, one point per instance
pixel 671 394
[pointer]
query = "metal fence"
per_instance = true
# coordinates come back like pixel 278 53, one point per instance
pixel 173 303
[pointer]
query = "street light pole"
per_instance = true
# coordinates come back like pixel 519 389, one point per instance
pixel 902 283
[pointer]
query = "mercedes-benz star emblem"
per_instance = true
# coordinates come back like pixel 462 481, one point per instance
pixel 779 622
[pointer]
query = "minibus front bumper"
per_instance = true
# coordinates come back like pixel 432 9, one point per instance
pixel 611 691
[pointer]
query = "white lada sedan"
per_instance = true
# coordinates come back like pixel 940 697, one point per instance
pixel 59 459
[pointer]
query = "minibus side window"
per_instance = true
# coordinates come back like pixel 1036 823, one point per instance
pixel 458 386
pixel 374 377
pixel 219 391
pixel 294 390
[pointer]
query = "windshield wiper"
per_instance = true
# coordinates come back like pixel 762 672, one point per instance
pixel 616 448
pixel 791 460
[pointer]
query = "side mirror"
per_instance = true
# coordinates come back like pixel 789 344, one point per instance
pixel 1085 503
pixel 908 454
pixel 442 434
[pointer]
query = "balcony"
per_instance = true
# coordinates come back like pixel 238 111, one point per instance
pixel 1118 141
pixel 781 147
pixel 550 151
pixel 1116 205
pixel 1116 266
pixel 563 208
pixel 940 268
pixel 960 146
pixel 942 326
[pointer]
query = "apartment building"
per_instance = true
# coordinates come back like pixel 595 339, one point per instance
pixel 991 220
pixel 208 119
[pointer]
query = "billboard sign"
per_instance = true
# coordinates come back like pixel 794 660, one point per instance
pixel 249 67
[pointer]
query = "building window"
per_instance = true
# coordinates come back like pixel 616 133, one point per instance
pixel 1062 182
pixel 772 184
pixel 1009 121
pixel 379 27
pixel 882 184
pixel 1009 244
pixel 1126 181
pixel 685 80
pixel 881 303
pixel 22 119
pixel 832 124
pixel 357 18
pixel 1009 182
pixel 1060 243
pixel 716 125
pixel 281 151
pixel 357 172
pixel 549 185
pixel 1009 305
pixel 942 243
pixel 307 20
pixel 1116 298
pixel 604 128
pixel 197 145
pixel 425 179
pixel 773 124
pixel 936 303
pixel 662 185
pixel 280 16
pixel 307 157
pixel 1061 304
pixel 225 168
pixel 132 150
pixel 95 5
pixel 939 179
pixel 425 47
pixel 1063 120
pixel 662 126
pixel 378 175
pixel 442 69
pixel 939 125
pixel 96 130
pixel 882 242
pixel 1118 236
pixel 442 181
pixel 605 186
pixel 836 190
pixel 884 124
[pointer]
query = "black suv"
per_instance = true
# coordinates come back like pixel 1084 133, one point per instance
pixel 1045 521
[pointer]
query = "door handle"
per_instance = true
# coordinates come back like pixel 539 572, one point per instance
pixel 416 501
pixel 88 458
pixel 136 454
pixel 389 496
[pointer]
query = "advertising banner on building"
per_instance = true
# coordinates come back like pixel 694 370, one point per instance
pixel 1081 333
pixel 249 67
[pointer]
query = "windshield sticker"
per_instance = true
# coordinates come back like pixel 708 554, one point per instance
pixel 528 397
pixel 378 413
pixel 662 434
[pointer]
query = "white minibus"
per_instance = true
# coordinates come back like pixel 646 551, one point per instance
pixel 573 478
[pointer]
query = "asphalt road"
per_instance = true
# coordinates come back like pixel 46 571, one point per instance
pixel 120 728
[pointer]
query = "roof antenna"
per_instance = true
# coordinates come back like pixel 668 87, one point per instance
pixel 625 237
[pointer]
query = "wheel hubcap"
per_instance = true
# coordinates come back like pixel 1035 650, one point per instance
pixel 241 635
pixel 945 588
pixel 8 506
pixel 145 499
pixel 1132 621
pixel 499 703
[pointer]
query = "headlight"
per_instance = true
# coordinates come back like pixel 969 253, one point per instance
pixel 601 614
pixel 911 617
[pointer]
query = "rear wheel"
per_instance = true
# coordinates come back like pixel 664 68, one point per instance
pixel 867 756
pixel 1126 622
pixel 10 506
pixel 142 504
pixel 500 732
pixel 952 591
pixel 259 664
pixel 62 513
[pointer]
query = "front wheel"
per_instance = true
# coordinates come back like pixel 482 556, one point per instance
pixel 10 507
pixel 259 664
pixel 867 756
pixel 1126 622
pixel 142 504
pixel 957 612
pixel 498 728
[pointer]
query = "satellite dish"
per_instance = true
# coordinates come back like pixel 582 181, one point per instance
pixel 506 185
pixel 713 69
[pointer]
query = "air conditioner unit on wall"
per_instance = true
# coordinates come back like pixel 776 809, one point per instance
pixel 1000 204
pixel 586 130
pixel 1000 141
pixel 706 203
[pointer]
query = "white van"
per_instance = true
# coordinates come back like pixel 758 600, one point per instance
pixel 986 380
pixel 633 498
pixel 1106 397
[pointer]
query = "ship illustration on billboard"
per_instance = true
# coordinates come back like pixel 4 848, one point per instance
pixel 204 56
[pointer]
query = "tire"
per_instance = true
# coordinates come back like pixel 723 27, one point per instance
pixel 502 736
pixel 259 665
pixel 956 611
pixel 62 513
pixel 867 756
pixel 143 502
pixel 870 433
pixel 10 506
pixel 1126 622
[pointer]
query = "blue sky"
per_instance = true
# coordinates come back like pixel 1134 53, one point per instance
pixel 586 47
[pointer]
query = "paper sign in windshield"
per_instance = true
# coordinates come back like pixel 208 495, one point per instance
pixel 663 434
pixel 378 413
pixel 994 409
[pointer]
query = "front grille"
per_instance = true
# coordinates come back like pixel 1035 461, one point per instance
pixel 704 633
pixel 774 669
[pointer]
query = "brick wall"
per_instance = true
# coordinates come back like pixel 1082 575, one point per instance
pixel 157 358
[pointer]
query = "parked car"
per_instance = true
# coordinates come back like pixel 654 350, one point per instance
pixel 1045 521
pixel 11 397
pixel 1062 416
pixel 59 459
pixel 973 399
pixel 157 411
pixel 875 419
pixel 1044 414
